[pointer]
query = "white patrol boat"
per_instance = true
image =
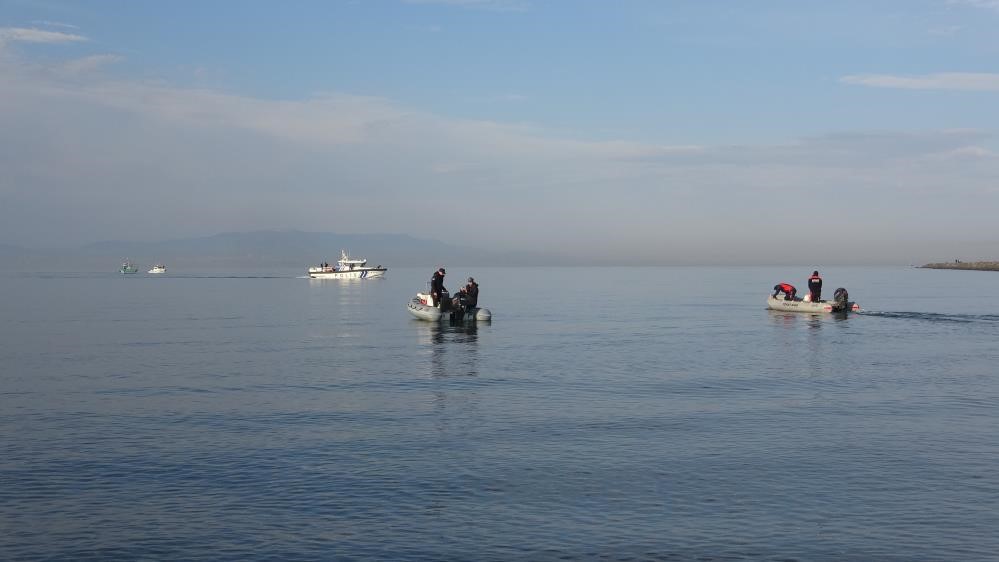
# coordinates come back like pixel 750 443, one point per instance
pixel 841 303
pixel 422 307
pixel 158 268
pixel 346 268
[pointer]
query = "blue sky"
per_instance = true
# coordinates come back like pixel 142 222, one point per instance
pixel 662 132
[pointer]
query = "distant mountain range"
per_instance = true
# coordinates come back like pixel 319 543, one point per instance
pixel 8 251
pixel 279 248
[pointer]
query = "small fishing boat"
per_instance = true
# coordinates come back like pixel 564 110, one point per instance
pixel 128 267
pixel 346 268
pixel 841 303
pixel 158 268
pixel 422 307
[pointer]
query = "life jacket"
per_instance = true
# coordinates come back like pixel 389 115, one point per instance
pixel 787 288
pixel 813 277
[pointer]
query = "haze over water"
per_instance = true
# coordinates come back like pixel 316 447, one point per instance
pixel 629 413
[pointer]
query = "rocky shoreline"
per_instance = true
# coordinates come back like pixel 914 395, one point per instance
pixel 973 265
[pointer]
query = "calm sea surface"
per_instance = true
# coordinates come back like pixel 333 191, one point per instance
pixel 621 414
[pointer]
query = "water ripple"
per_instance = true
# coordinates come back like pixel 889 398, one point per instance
pixel 213 419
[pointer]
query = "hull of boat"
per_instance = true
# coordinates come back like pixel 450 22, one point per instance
pixel 128 271
pixel 819 307
pixel 369 273
pixel 433 314
pixel 424 311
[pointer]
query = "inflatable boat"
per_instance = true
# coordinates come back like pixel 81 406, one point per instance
pixel 422 307
pixel 841 303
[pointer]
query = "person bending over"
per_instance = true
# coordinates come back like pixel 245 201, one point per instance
pixel 786 288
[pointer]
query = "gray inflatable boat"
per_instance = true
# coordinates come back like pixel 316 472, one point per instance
pixel 422 307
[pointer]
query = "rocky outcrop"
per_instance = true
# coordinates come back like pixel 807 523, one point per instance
pixel 957 264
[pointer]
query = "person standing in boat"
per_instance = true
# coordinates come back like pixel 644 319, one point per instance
pixel 815 286
pixel 472 288
pixel 786 288
pixel 437 286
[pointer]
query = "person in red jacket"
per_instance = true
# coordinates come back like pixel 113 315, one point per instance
pixel 815 286
pixel 788 290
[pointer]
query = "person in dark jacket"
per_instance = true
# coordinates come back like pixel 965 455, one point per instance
pixel 788 290
pixel 437 286
pixel 460 301
pixel 815 286
pixel 472 288
pixel 459 304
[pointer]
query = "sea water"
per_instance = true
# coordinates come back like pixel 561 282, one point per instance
pixel 604 413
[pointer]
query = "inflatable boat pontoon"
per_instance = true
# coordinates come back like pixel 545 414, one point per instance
pixel 422 307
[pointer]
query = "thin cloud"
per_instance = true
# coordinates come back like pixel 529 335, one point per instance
pixel 968 153
pixel 32 35
pixel 103 151
pixel 90 64
pixel 453 167
pixel 984 4
pixel 427 28
pixel 945 31
pixel 48 23
pixel 493 5
pixel 501 98
pixel 960 81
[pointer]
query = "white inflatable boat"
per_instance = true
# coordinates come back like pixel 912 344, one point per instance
pixel 422 307
pixel 841 303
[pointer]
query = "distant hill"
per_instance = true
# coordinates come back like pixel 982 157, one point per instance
pixel 16 257
pixel 10 251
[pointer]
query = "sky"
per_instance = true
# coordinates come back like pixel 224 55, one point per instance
pixel 650 132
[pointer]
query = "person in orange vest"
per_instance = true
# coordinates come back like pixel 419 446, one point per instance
pixel 788 290
pixel 815 286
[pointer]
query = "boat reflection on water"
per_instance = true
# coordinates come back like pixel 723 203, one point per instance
pixel 805 343
pixel 813 321
pixel 453 349
pixel 451 376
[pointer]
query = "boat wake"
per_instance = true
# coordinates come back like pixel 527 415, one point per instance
pixel 937 317
pixel 196 276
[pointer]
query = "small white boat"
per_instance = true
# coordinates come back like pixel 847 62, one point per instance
pixel 422 307
pixel 158 268
pixel 346 268
pixel 841 303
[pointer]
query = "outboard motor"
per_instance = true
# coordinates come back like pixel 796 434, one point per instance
pixel 445 299
pixel 841 298
pixel 459 306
